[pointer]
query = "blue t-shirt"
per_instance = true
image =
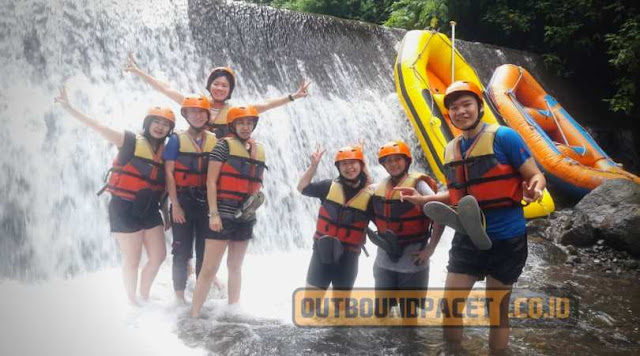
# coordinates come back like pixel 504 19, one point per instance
pixel 509 148
pixel 172 148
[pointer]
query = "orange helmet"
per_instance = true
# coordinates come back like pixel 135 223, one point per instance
pixel 397 147
pixel 462 87
pixel 157 111
pixel 164 113
pixel 239 112
pixel 195 101
pixel 222 71
pixel 349 152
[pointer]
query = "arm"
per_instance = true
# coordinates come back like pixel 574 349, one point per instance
pixel 176 210
pixel 534 181
pixel 423 255
pixel 306 178
pixel 411 195
pixel 215 223
pixel 274 103
pixel 111 135
pixel 132 67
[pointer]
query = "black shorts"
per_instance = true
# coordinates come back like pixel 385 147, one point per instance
pixel 232 230
pixel 342 274
pixel 122 218
pixel 504 261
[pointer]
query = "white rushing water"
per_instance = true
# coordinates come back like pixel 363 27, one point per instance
pixel 62 292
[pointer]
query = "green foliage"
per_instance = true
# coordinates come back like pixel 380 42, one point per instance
pixel 596 43
pixel 418 14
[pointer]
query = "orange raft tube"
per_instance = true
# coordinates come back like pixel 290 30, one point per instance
pixel 570 157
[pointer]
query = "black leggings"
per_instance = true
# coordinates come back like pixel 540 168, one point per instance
pixel 195 229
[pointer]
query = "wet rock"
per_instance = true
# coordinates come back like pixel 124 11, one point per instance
pixel 631 264
pixel 597 262
pixel 613 211
pixel 574 259
pixel 600 242
pixel 538 227
pixel 580 232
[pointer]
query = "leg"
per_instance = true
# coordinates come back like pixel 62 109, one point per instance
pixel 345 272
pixel 213 252
pixel 237 250
pixel 182 248
pixel 453 335
pixel 499 336
pixel 201 230
pixel 131 248
pixel 153 240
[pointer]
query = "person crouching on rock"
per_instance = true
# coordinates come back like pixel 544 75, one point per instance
pixel 344 214
pixel 234 180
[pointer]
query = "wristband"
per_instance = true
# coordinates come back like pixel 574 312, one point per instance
pixel 291 97
pixel 213 215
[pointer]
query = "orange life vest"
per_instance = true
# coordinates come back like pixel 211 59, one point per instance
pixel 241 174
pixel 145 170
pixel 345 220
pixel 192 161
pixel 219 123
pixel 480 174
pixel 404 219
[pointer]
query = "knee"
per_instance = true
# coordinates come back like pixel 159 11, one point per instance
pixel 234 266
pixel 131 262
pixel 157 257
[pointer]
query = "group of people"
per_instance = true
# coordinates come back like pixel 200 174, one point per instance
pixel 212 175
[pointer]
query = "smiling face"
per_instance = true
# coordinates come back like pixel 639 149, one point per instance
pixel 244 127
pixel 196 117
pixel 220 88
pixel 463 111
pixel 395 165
pixel 159 128
pixel 350 168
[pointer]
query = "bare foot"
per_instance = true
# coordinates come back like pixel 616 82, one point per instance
pixel 180 297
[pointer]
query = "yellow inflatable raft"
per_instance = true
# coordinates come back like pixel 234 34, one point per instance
pixel 422 74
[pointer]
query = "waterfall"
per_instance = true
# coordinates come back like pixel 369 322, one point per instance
pixel 52 223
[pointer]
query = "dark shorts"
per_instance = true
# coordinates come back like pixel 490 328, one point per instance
pixel 387 279
pixel 504 261
pixel 233 231
pixel 342 274
pixel 122 218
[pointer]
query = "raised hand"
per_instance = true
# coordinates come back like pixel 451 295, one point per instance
pixel 531 192
pixel 131 65
pixel 63 99
pixel 302 90
pixel 317 155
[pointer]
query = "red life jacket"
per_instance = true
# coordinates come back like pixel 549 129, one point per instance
pixel 241 174
pixel 192 161
pixel 145 170
pixel 404 219
pixel 345 220
pixel 219 123
pixel 479 173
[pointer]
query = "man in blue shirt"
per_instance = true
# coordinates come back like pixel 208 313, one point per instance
pixel 490 168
